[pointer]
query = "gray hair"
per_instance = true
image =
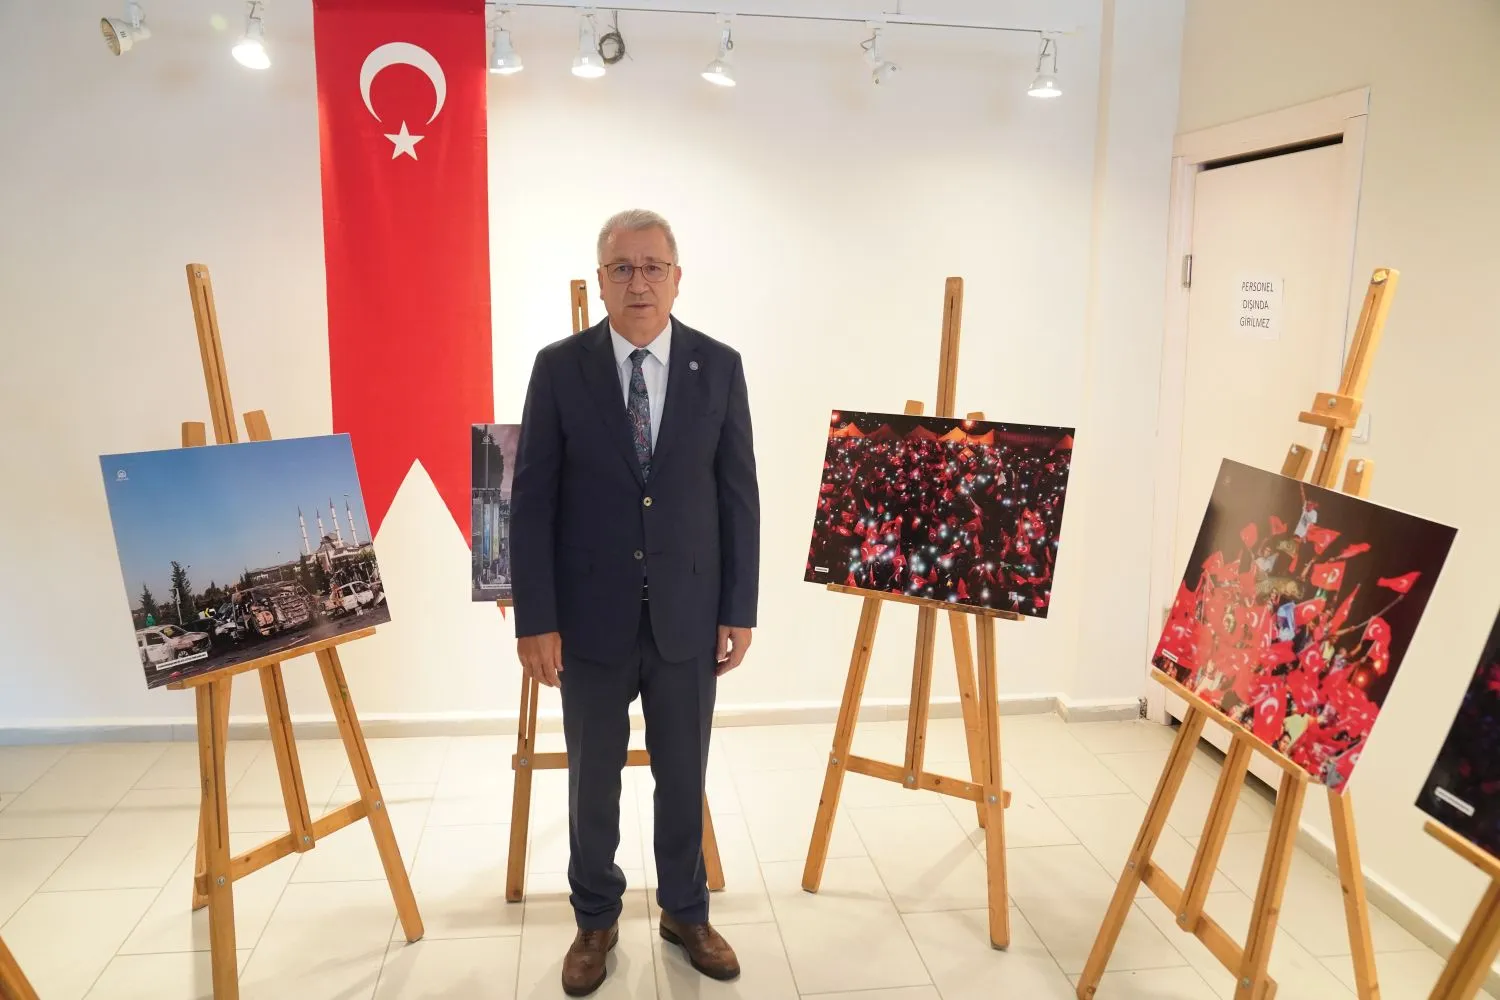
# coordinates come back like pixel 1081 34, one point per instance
pixel 635 220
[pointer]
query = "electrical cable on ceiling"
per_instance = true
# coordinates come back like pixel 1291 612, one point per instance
pixel 614 42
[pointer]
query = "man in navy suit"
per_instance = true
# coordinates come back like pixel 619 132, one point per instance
pixel 635 546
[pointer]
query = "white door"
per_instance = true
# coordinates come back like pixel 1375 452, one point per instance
pixel 1266 321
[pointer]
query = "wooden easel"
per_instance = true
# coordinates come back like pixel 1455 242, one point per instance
pixel 527 761
pixel 13 982
pixel 1475 952
pixel 216 870
pixel 981 709
pixel 1337 413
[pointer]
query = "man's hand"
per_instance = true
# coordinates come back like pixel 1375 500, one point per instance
pixel 734 643
pixel 541 657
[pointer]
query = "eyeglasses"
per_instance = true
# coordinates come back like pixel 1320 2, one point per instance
pixel 653 271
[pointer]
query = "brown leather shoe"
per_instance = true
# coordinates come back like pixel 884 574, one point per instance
pixel 706 949
pixel 583 968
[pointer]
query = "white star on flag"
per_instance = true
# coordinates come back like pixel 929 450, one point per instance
pixel 405 143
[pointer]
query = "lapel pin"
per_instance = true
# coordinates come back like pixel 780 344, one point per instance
pixel 692 366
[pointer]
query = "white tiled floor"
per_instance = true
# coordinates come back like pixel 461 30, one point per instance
pixel 96 850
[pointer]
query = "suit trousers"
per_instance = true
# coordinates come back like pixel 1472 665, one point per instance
pixel 678 702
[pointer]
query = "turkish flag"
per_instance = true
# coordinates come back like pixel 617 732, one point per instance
pixel 1328 576
pixel 1321 537
pixel 401 121
pixel 1400 584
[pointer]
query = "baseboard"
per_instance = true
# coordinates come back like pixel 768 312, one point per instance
pixel 1098 709
pixel 504 723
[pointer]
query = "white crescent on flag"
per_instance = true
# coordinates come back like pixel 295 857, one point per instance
pixel 403 54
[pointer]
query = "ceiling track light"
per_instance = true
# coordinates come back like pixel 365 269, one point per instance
pixel 250 50
pixel 121 34
pixel 588 64
pixel 721 71
pixel 1045 83
pixel 883 68
pixel 504 59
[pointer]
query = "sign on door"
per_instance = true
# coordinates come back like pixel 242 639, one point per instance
pixel 1257 307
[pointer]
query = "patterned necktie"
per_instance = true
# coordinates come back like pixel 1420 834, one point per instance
pixel 640 410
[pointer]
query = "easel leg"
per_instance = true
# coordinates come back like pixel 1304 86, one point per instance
pixel 221 729
pixel 369 791
pixel 963 663
pixel 1356 906
pixel 1280 844
pixel 520 810
pixel 1178 761
pixel 1471 959
pixel 843 738
pixel 13 982
pixel 713 866
pixel 993 806
pixel 1215 829
pixel 921 697
pixel 213 700
pixel 284 744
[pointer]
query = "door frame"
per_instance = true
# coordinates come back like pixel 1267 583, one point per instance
pixel 1342 115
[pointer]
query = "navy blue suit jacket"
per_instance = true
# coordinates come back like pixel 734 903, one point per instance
pixel 588 530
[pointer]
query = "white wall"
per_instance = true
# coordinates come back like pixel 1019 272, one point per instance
pixel 818 216
pixel 1429 207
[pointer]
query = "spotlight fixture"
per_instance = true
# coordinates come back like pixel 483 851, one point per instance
pixel 588 64
pixel 121 34
pixel 250 50
pixel 884 69
pixel 720 71
pixel 1045 84
pixel 503 57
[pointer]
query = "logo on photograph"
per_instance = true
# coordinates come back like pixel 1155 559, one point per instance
pixel 820 569
pixel 1453 800
pixel 120 476
pixel 1166 654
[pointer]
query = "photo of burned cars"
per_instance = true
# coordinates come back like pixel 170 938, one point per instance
pixel 245 514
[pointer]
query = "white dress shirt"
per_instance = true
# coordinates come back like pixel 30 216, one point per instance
pixel 654 368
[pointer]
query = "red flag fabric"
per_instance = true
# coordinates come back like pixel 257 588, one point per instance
pixel 1379 630
pixel 1278 526
pixel 1321 537
pixel 1354 550
pixel 1249 534
pixel 1400 584
pixel 401 115
pixel 1327 576
pixel 1308 611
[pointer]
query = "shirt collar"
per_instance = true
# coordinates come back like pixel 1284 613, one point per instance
pixel 660 348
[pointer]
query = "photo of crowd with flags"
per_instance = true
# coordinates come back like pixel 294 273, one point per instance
pixel 1463 790
pixel 1295 611
pixel 960 511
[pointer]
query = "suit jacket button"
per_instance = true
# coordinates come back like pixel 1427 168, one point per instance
pixel 639 554
pixel 646 502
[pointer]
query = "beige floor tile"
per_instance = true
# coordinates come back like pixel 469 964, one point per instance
pixel 65 939
pixel 1401 973
pixel 956 948
pixel 899 993
pixel 324 940
pixel 473 969
pixel 774 748
pixel 1064 893
pixel 1141 771
pixel 765 973
pixel 1298 975
pixel 548 850
pixel 171 925
pixel 73 795
pixel 1054 763
pixel 256 803
pixel 1123 737
pixel 476 784
pixel 180 976
pixel 407 761
pixel 351 854
pixel 1029 822
pixel 459 881
pixel 847 936
pixel 21 766
pixel 1155 984
pixel 1108 824
pixel 780 808
pixel 178 766
pixel 136 846
pixel 924 858
pixel 25 865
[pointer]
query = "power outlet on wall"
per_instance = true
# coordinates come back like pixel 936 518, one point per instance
pixel 1362 428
